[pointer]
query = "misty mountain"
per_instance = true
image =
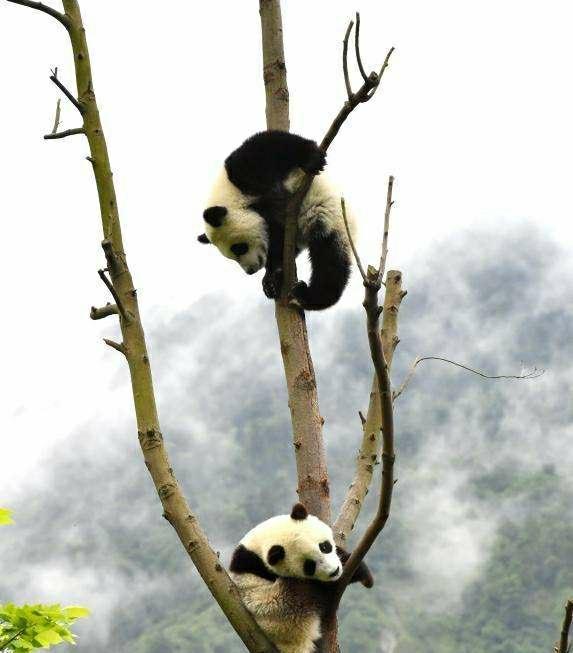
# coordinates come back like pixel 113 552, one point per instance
pixel 478 553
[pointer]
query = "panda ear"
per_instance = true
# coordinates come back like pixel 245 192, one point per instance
pixel 275 555
pixel 299 512
pixel 215 215
pixel 202 238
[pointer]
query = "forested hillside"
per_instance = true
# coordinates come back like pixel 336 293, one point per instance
pixel 478 553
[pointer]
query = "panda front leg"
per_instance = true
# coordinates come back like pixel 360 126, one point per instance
pixel 273 279
pixel 331 263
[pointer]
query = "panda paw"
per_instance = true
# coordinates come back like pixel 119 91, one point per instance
pixel 315 162
pixel 272 283
pixel 298 295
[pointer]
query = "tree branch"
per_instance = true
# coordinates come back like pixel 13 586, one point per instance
pixel 345 61
pixel 104 311
pixel 357 48
pixel 369 453
pixel 371 288
pixel 175 506
pixel 389 204
pixel 62 18
pixel 115 345
pixel 67 132
pixel 532 374
pixel 58 112
pixel 564 639
pixel 304 181
pixel 122 311
pixel 350 239
pixel 67 93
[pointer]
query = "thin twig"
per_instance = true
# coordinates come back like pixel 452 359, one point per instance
pixel 67 93
pixel 564 639
pixel 389 203
pixel 357 48
pixel 103 311
pixel 64 134
pixel 385 64
pixel 58 111
pixel 353 247
pixel 345 62
pixel 115 345
pixel 62 18
pixel 533 374
pixel 114 294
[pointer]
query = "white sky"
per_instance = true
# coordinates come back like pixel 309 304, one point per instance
pixel 474 120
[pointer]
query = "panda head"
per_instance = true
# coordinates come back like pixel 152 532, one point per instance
pixel 234 227
pixel 298 545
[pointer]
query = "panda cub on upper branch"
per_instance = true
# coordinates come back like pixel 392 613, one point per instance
pixel 286 570
pixel 245 218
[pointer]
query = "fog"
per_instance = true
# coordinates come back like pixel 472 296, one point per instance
pixel 88 523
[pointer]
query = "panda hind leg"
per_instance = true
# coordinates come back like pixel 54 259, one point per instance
pixel 331 264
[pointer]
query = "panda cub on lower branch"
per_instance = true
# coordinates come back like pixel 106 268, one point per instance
pixel 286 569
pixel 245 216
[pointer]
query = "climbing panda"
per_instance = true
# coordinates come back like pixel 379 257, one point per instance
pixel 286 569
pixel 245 216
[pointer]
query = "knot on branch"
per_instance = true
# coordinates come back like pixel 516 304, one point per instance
pixel 150 439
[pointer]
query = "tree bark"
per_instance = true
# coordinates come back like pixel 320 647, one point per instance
pixel 312 473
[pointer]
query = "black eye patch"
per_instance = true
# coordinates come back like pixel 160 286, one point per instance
pixel 309 567
pixel 215 215
pixel 239 249
pixel 276 554
pixel 325 547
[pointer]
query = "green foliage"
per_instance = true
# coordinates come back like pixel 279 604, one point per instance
pixel 31 627
pixel 5 517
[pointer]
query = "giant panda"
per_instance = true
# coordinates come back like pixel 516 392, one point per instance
pixel 286 569
pixel 245 216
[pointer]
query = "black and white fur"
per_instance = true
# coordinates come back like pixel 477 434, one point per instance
pixel 286 570
pixel 245 218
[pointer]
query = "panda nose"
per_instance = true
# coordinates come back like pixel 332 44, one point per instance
pixel 251 271
pixel 334 573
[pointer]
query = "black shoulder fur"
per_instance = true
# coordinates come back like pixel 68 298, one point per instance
pixel 264 160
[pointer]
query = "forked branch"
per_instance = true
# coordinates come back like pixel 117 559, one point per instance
pixel 372 285
pixel 365 93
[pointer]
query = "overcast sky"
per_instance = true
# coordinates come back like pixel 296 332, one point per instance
pixel 474 120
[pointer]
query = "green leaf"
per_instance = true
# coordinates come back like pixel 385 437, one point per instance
pixel 48 637
pixel 5 517
pixel 75 611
